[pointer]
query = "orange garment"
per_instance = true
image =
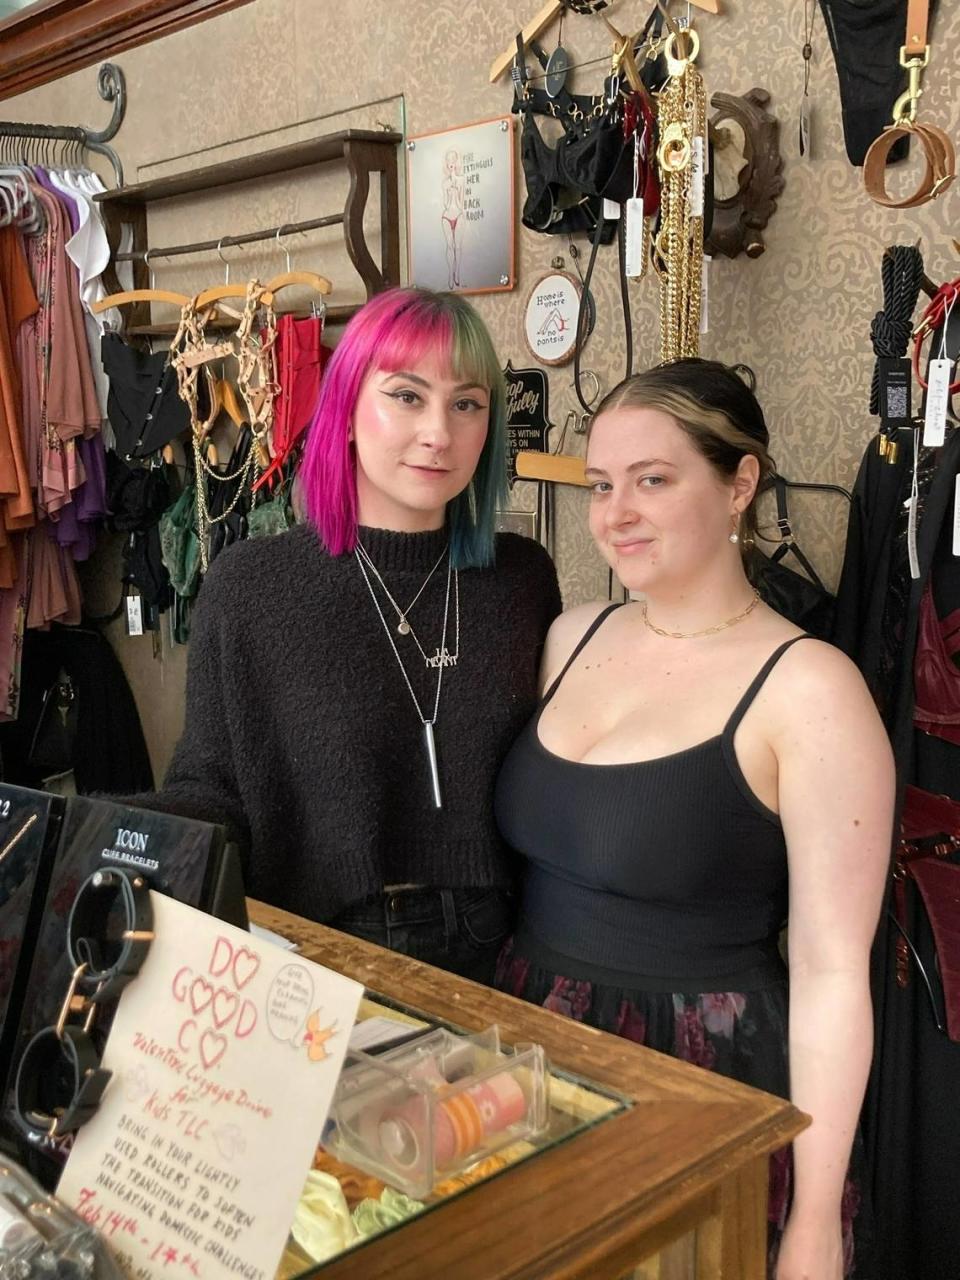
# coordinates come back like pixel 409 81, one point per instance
pixel 19 302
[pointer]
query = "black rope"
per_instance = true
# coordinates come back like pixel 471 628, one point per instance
pixel 901 272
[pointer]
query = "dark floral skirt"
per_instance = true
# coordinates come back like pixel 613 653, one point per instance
pixel 740 1035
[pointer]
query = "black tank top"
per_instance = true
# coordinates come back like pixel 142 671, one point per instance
pixel 667 873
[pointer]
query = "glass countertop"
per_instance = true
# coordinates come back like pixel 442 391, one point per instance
pixel 346 1208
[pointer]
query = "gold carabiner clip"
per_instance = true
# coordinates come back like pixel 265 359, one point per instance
pixel 905 107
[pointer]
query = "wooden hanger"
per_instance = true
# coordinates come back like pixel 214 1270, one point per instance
pixel 217 293
pixel 230 402
pixel 543 19
pixel 310 278
pixel 138 295
pixel 561 468
pixel 220 292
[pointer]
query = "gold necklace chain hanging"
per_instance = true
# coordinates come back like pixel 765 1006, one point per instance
pixel 256 359
pixel 681 156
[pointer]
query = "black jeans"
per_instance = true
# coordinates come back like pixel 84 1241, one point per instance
pixel 461 930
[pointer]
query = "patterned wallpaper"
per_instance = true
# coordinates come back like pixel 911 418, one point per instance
pixel 276 70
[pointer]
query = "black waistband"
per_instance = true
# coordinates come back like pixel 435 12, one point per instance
pixel 715 946
pixel 771 971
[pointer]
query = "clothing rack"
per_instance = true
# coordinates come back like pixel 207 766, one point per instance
pixel 249 237
pixel 112 87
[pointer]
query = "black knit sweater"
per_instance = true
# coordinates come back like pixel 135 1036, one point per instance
pixel 300 732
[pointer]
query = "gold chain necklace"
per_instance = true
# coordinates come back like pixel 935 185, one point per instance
pixel 707 631
pixel 682 123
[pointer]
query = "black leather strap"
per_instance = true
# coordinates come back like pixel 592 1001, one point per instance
pixel 583 312
pixel 109 930
pixel 59 1083
pixel 787 543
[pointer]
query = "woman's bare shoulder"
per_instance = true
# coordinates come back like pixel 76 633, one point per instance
pixel 565 634
pixel 816 683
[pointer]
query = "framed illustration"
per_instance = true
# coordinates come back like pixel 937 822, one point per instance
pixel 460 207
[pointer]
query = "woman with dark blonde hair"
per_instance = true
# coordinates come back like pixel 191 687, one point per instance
pixel 698 768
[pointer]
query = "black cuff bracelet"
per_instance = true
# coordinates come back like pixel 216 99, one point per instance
pixel 59 1083
pixel 109 931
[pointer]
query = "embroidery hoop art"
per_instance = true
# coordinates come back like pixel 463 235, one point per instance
pixel 550 318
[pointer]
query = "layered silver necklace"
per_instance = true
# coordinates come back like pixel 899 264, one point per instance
pixel 441 656
pixel 441 660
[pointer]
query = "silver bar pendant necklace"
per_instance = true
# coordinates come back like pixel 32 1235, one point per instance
pixel 432 760
pixel 429 740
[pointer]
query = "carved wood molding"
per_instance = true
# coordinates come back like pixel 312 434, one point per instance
pixel 739 217
pixel 56 37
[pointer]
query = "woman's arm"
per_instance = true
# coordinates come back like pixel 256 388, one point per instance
pixel 836 793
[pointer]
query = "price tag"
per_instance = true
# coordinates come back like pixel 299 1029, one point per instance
pixel 134 616
pixel 611 210
pixel 938 401
pixel 696 177
pixel 634 238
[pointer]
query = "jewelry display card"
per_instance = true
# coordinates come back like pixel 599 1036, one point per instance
pixel 225 1053
pixel 29 825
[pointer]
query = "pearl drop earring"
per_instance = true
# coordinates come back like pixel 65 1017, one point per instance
pixel 735 535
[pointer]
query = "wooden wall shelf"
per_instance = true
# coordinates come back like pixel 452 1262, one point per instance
pixel 366 152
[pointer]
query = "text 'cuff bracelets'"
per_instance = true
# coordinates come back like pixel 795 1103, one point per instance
pixel 59 1080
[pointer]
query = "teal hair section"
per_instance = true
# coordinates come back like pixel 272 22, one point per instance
pixel 471 516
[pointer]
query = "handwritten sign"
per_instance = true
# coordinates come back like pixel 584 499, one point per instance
pixel 225 1053
pixel 550 318
pixel 528 423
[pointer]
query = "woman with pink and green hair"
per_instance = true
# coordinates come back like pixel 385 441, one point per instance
pixel 355 682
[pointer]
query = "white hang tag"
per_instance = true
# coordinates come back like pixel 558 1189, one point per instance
pixel 134 616
pixel 805 127
pixel 696 178
pixel 634 238
pixel 705 294
pixel 611 210
pixel 956 518
pixel 911 504
pixel 938 401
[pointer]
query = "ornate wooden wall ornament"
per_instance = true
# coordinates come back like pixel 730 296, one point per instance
pixel 747 172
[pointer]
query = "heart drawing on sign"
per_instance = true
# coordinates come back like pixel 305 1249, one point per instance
pixel 201 993
pixel 224 1006
pixel 212 1048
pixel 245 965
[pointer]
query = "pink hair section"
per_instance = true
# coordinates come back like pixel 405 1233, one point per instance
pixel 395 330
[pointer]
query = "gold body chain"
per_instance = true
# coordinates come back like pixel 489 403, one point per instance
pixel 678 256
pixel 254 348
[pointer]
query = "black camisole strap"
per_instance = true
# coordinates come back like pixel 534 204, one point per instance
pixel 584 640
pixel 743 705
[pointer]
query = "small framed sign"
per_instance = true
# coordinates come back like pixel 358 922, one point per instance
pixel 550 318
pixel 460 207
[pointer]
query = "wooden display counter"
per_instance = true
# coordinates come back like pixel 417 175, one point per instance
pixel 669 1182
